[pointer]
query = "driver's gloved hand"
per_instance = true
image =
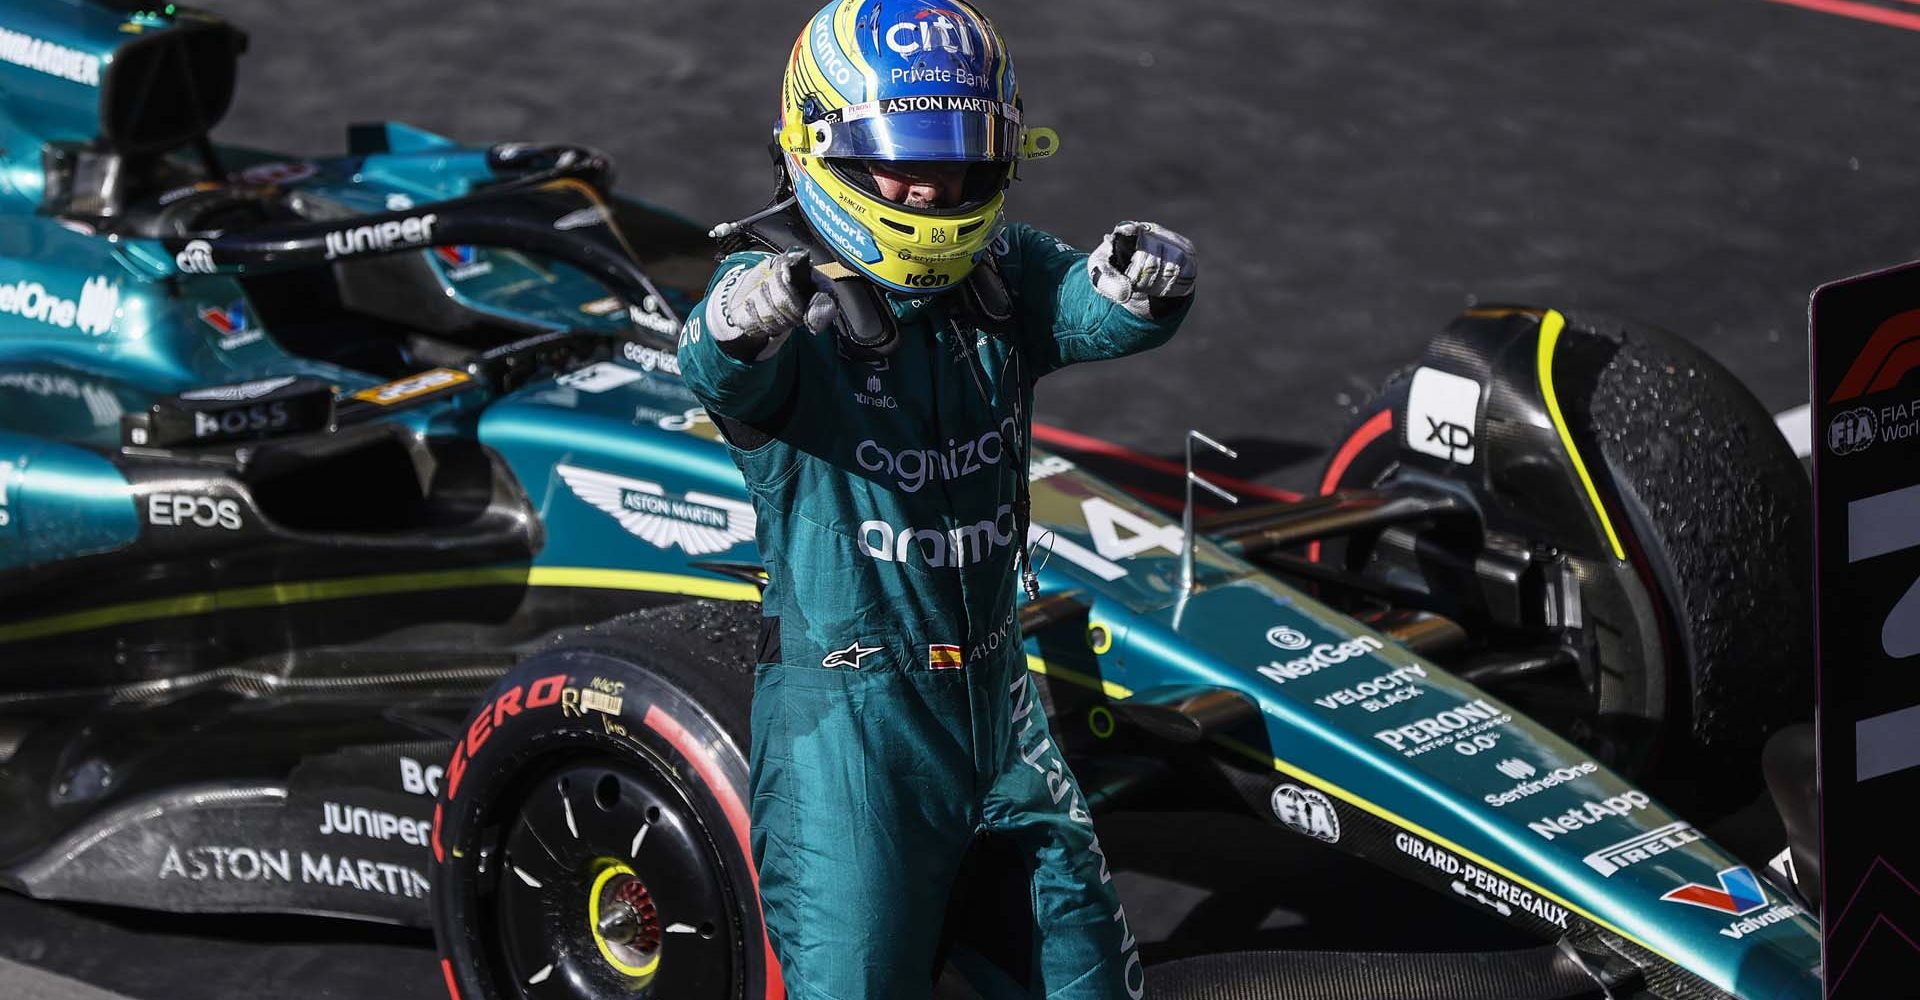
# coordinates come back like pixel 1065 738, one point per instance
pixel 753 310
pixel 1145 268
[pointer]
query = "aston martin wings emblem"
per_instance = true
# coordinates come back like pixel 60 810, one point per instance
pixel 700 523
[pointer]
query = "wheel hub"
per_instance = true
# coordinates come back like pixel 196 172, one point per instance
pixel 626 924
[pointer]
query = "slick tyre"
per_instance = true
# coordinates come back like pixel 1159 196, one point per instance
pixel 591 838
pixel 1715 515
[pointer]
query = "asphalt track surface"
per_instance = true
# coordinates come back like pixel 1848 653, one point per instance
pixel 1354 174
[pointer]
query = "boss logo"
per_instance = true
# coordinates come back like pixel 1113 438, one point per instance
pixel 180 510
pixel 240 420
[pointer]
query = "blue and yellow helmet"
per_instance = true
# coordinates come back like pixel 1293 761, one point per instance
pixel 903 80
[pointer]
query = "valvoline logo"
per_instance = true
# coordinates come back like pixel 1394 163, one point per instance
pixel 230 320
pixel 455 256
pixel 1738 893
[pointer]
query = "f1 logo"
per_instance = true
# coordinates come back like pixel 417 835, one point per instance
pixel 1892 352
pixel 1739 893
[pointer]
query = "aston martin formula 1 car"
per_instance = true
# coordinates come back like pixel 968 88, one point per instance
pixel 362 554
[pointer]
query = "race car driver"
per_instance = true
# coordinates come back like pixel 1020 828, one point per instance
pixel 869 352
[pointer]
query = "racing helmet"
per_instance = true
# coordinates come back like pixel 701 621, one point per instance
pixel 902 81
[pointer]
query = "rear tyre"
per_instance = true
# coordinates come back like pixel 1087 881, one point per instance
pixel 592 836
pixel 1715 515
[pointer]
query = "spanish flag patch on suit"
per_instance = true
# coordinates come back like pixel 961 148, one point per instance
pixel 943 657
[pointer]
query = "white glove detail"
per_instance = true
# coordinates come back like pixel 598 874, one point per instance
pixel 1163 265
pixel 754 310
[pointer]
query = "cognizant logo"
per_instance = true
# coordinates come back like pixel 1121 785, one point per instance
pixel 961 546
pixel 913 469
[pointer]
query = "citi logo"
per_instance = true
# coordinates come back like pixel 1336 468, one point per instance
pixel 928 32
pixel 195 258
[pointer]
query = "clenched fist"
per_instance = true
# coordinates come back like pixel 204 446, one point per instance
pixel 1140 264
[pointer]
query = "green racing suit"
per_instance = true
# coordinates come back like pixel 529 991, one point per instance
pixel 893 717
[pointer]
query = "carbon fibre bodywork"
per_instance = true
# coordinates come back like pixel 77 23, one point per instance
pixel 237 635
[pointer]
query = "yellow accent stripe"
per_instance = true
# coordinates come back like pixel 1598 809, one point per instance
pixel 1054 671
pixel 310 591
pixel 1550 326
pixel 814 76
pixel 1416 829
pixel 846 32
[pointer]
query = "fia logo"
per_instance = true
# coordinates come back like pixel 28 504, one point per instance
pixel 1306 811
pixel 1852 430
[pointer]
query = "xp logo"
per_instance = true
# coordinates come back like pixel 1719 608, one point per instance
pixel 1852 430
pixel 1442 411
pixel 1452 437
pixel 1738 893
pixel 1286 637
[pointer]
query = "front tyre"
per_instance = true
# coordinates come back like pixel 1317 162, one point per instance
pixel 592 837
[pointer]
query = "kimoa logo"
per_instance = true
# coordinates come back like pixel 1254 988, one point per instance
pixel 913 469
pixel 973 543
pixel 92 314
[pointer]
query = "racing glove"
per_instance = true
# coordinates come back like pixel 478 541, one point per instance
pixel 754 310
pixel 1145 268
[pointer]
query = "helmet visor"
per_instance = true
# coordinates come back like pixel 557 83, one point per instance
pixel 920 134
